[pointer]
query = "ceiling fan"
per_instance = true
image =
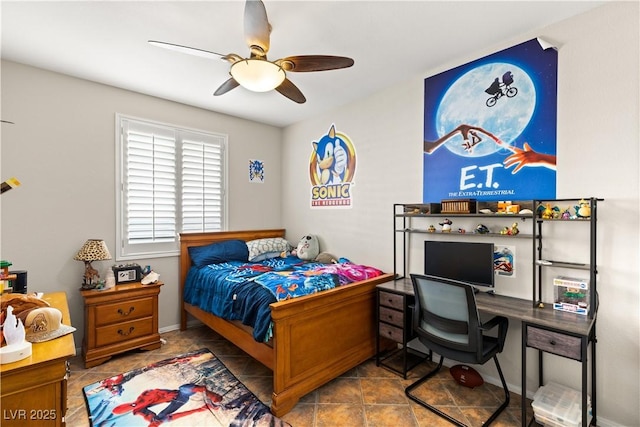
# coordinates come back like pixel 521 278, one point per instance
pixel 256 72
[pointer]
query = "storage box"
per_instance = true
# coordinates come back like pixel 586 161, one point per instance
pixel 557 405
pixel 461 206
pixel 571 294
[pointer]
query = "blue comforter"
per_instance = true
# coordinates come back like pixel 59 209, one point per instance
pixel 243 291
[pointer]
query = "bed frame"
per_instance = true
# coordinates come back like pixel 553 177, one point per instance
pixel 316 338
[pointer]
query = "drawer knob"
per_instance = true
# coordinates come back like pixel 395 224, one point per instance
pixel 125 313
pixel 123 333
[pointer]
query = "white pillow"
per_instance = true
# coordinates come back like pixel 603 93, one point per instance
pixel 261 249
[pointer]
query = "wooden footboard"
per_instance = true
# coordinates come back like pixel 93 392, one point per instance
pixel 316 338
pixel 321 336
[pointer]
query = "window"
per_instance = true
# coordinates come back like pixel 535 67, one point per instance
pixel 169 180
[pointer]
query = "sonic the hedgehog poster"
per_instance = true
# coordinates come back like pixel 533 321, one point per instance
pixel 490 127
pixel 332 167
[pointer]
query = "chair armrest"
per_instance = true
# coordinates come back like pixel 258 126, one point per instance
pixel 503 325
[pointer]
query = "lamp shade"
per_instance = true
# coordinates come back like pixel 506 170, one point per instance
pixel 93 250
pixel 257 75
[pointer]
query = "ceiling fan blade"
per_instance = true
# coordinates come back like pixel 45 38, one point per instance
pixel 306 63
pixel 290 90
pixel 226 87
pixel 256 27
pixel 188 50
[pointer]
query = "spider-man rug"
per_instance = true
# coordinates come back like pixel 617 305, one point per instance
pixel 194 389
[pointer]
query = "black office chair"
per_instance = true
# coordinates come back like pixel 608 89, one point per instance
pixel 446 321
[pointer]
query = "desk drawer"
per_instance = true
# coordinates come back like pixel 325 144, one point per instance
pixel 392 300
pixel 394 317
pixel 391 332
pixel 554 342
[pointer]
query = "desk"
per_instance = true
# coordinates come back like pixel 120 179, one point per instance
pixel 34 389
pixel 545 329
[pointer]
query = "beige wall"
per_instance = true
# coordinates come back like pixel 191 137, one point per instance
pixel 62 149
pixel 598 138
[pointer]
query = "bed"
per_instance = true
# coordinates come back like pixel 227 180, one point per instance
pixel 305 350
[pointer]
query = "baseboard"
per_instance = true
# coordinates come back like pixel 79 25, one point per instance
pixel 190 324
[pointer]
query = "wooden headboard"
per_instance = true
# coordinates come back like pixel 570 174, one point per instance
pixel 201 239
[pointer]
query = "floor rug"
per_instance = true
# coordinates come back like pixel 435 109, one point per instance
pixel 193 389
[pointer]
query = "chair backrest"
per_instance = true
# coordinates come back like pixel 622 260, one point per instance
pixel 446 313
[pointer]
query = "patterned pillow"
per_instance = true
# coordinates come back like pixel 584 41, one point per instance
pixel 261 249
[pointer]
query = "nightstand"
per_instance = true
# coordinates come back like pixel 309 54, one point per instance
pixel 120 319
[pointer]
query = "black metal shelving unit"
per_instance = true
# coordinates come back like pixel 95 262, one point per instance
pixel 404 227
pixel 540 263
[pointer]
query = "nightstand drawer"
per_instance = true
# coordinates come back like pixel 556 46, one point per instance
pixel 122 311
pixel 394 317
pixel 554 342
pixel 392 300
pixel 391 332
pixel 124 331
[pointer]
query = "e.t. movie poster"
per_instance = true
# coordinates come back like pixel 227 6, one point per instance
pixel 490 127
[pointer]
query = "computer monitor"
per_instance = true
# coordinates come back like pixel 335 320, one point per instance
pixel 470 262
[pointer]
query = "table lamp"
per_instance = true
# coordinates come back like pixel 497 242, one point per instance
pixel 92 250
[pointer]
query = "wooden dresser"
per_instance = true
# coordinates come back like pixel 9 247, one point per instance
pixel 34 390
pixel 120 319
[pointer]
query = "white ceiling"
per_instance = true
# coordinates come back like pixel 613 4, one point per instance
pixel 390 41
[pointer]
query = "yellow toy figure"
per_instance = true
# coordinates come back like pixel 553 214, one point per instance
pixel 514 229
pixel 547 212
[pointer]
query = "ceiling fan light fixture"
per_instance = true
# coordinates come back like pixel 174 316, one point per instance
pixel 257 75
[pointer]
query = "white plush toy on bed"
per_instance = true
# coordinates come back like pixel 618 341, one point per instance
pixel 308 248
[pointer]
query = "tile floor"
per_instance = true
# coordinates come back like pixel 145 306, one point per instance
pixel 365 396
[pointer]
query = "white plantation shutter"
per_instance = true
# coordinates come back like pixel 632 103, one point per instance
pixel 170 180
pixel 202 184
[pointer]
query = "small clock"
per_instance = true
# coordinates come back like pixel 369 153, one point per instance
pixel 127 273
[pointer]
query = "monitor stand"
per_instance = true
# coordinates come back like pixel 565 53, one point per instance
pixel 490 292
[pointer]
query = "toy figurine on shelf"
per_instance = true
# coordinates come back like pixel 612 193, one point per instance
pixel 431 229
pixel 583 210
pixel 510 231
pixel 566 214
pixel 482 229
pixel 514 229
pixel 547 212
pixel 461 230
pixel 446 225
